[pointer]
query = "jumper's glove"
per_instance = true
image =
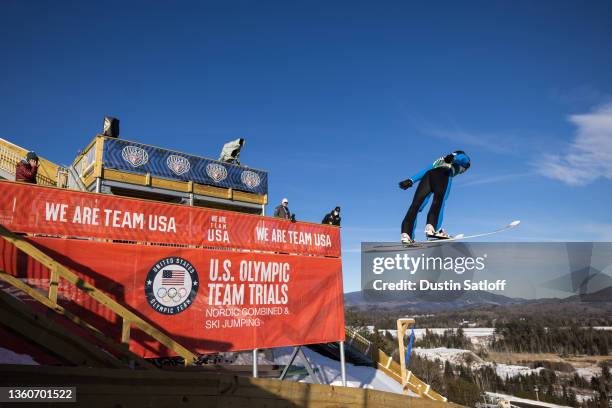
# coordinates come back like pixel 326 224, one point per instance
pixel 292 217
pixel 406 184
pixel 449 158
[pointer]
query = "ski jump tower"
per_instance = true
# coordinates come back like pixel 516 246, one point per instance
pixel 135 252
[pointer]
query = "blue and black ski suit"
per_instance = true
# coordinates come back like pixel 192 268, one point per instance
pixel 435 181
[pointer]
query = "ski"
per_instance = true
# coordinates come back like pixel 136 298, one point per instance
pixel 436 242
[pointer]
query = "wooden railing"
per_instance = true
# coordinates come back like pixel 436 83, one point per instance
pixel 386 364
pixel 8 163
pixel 59 272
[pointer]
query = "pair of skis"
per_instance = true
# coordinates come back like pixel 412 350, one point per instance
pixel 436 242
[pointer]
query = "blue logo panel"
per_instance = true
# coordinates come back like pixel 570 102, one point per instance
pixel 139 158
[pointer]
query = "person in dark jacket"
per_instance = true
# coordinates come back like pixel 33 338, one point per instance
pixel 282 211
pixel 26 170
pixel 333 218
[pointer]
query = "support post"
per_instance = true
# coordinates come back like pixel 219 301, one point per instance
pixel 54 284
pixel 98 184
pixel 402 326
pixel 308 367
pixel 255 363
pixel 342 364
pixel 291 360
pixel 125 332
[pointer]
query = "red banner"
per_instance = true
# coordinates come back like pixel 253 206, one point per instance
pixel 44 210
pixel 207 300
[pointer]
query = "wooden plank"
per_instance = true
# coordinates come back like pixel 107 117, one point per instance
pixel 96 294
pixel 249 197
pixel 121 350
pixel 37 328
pixel 390 367
pixel 125 332
pixel 173 185
pixel 211 191
pixel 182 186
pixel 53 285
pixel 122 176
pixel 89 179
pixel 104 387
pixel 99 159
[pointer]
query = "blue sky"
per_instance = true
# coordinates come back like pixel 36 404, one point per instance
pixel 338 100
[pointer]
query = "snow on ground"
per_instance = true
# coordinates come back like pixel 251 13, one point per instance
pixel 471 333
pixel 512 399
pixel 508 371
pixel 452 355
pixel 588 372
pixel 10 357
pixel 460 357
pixel 585 397
pixel 328 371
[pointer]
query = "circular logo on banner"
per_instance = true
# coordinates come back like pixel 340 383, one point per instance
pixel 216 172
pixel 250 179
pixel 178 164
pixel 135 155
pixel 171 285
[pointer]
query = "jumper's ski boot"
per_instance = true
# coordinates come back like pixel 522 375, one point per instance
pixel 431 233
pixel 406 239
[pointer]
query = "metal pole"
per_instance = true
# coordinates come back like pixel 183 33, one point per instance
pixel 98 184
pixel 342 364
pixel 291 359
pixel 255 363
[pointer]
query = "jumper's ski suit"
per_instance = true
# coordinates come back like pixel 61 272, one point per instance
pixel 435 180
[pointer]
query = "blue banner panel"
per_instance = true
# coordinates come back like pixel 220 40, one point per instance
pixel 139 158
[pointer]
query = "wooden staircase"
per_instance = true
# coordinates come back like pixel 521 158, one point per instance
pixel 42 329
pixel 59 273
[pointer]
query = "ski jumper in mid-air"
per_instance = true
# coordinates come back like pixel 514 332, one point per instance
pixel 436 181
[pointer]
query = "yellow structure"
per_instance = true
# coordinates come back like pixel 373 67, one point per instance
pixel 387 365
pixel 49 173
pixel 409 380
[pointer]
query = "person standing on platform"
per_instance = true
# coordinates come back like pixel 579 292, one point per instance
pixel 333 218
pixel 282 211
pixel 26 170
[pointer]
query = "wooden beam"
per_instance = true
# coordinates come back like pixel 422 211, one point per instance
pixel 125 332
pixel 135 388
pixel 96 294
pixel 99 162
pixel 53 285
pixel 38 329
pixel 119 349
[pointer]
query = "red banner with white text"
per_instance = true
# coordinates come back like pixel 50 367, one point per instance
pixel 207 300
pixel 44 210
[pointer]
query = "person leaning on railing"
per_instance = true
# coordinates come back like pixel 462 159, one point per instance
pixel 26 170
pixel 282 211
pixel 333 217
